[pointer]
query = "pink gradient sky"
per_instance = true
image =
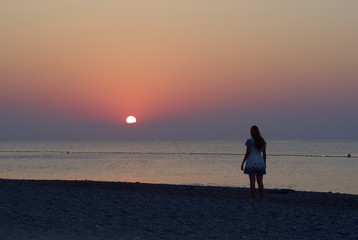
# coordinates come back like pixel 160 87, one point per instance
pixel 185 69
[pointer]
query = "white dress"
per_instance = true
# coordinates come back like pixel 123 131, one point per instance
pixel 255 163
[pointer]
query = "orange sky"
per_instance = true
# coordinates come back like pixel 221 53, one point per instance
pixel 169 60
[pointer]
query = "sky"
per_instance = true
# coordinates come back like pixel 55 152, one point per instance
pixel 185 69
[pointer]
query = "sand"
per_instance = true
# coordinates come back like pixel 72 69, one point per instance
pixel 33 209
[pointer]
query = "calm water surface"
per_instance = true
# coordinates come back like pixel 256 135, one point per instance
pixel 311 165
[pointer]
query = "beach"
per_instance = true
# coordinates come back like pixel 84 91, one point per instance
pixel 59 209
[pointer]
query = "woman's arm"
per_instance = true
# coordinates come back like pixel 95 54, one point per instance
pixel 264 154
pixel 248 150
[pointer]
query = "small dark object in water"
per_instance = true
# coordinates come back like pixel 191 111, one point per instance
pixel 349 155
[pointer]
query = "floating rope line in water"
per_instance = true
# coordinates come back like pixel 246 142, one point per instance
pixel 179 153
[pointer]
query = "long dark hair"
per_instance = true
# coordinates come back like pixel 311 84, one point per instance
pixel 256 135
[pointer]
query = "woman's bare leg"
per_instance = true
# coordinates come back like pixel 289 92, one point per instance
pixel 261 186
pixel 252 186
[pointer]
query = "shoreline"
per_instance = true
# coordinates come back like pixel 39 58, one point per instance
pixel 322 199
pixel 71 209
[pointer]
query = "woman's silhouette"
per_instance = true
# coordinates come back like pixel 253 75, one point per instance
pixel 255 159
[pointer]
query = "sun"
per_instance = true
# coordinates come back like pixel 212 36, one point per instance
pixel 131 120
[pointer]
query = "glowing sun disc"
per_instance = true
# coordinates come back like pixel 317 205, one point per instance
pixel 131 119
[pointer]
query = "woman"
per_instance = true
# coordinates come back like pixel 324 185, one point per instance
pixel 255 159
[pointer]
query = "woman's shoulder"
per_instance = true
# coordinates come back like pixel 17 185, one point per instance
pixel 250 142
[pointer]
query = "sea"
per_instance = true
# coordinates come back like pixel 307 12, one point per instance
pixel 304 165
